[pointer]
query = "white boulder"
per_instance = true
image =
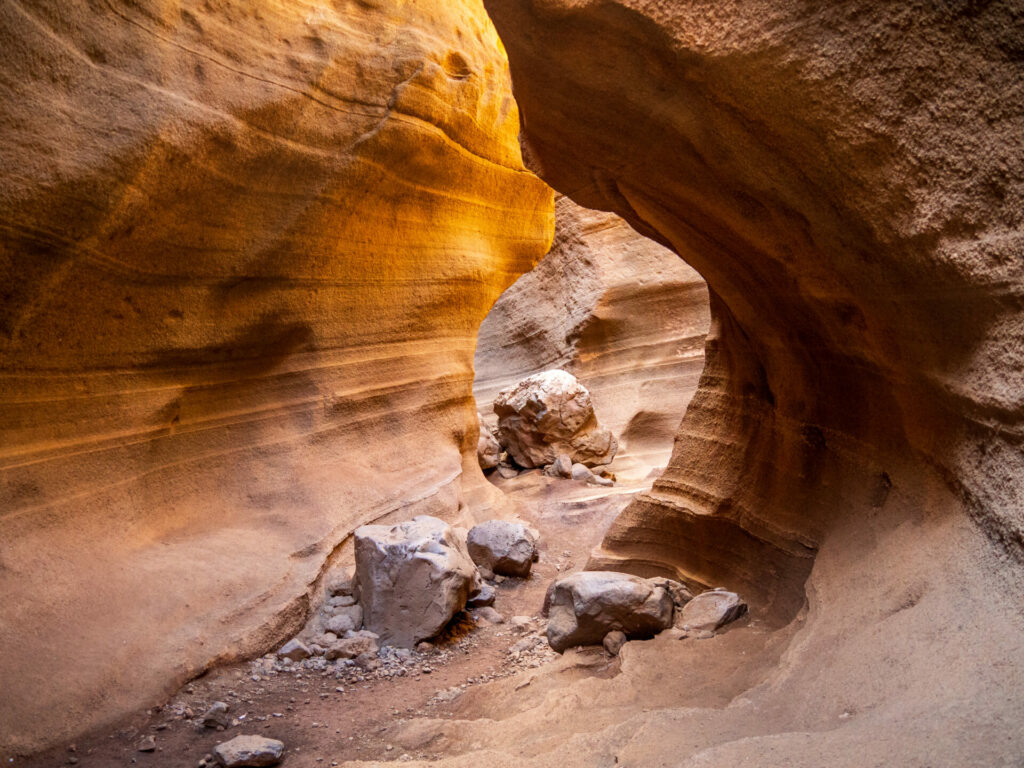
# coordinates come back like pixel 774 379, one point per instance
pixel 586 606
pixel 550 414
pixel 412 578
pixel 503 547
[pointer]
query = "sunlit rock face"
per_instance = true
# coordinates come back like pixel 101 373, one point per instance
pixel 245 251
pixel 848 179
pixel 622 313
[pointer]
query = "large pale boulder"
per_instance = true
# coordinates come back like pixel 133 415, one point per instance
pixel 550 414
pixel 412 578
pixel 586 606
pixel 503 547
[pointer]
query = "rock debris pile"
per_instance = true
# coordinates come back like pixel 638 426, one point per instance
pixel 609 608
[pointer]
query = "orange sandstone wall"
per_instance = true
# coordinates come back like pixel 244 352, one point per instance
pixel 244 252
pixel 849 180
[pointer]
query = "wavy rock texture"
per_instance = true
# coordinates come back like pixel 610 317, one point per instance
pixel 622 313
pixel 245 252
pixel 848 179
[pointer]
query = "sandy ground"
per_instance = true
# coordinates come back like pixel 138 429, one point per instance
pixel 326 719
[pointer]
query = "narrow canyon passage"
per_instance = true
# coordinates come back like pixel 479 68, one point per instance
pixel 264 266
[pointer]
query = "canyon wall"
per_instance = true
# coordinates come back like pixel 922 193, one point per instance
pixel 245 252
pixel 622 313
pixel 849 180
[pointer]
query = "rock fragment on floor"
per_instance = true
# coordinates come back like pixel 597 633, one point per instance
pixel 412 578
pixel 345 620
pixel 614 641
pixel 503 547
pixel 351 647
pixel 490 615
pixel 584 474
pixel 294 649
pixel 341 584
pixel 249 752
pixel 485 597
pixel 560 467
pixel 710 610
pixel 216 716
pixel 550 414
pixel 586 606
pixel 678 591
pixel 148 744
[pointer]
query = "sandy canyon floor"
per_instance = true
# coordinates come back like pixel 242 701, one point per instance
pixel 415 708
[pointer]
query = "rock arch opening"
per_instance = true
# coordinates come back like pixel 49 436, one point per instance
pixel 621 313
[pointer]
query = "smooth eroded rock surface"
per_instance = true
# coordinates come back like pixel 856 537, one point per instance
pixel 586 606
pixel 245 249
pixel 412 578
pixel 848 178
pixel 550 414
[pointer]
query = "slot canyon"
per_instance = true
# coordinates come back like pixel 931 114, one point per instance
pixel 397 381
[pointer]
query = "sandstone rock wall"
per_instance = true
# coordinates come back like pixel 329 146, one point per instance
pixel 848 178
pixel 622 313
pixel 244 252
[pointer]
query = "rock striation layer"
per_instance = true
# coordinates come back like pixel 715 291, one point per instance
pixel 849 180
pixel 244 253
pixel 617 310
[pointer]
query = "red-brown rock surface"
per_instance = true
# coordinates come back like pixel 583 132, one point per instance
pixel 244 253
pixel 848 179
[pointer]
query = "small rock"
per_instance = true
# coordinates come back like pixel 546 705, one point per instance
pixel 249 752
pixel 582 473
pixel 614 641
pixel 341 584
pixel 345 620
pixel 482 598
pixel 425 647
pixel 148 744
pixel 561 467
pixel 368 661
pixel 710 610
pixel 521 622
pixel 490 615
pixel 525 644
pixel 350 647
pixel 507 471
pixel 217 715
pixel 341 601
pixel 677 590
pixel 294 649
